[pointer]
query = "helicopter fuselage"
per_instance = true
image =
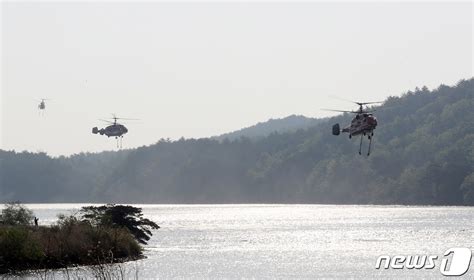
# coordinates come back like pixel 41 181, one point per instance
pixel 361 124
pixel 114 130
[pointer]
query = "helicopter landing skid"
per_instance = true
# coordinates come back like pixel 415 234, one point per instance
pixel 370 144
pixel 371 136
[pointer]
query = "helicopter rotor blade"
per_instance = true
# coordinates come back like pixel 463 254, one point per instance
pixel 343 99
pixel 356 102
pixel 114 117
pixel 107 121
pixel 339 111
pixel 128 119
pixel 115 120
pixel 365 103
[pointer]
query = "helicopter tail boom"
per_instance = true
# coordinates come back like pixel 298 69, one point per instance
pixel 95 130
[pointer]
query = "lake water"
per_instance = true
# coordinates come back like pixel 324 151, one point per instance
pixel 290 241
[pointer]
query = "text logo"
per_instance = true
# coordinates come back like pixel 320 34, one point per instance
pixel 455 262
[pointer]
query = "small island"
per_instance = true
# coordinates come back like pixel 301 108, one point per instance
pixel 97 235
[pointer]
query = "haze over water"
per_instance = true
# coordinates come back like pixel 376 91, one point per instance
pixel 290 241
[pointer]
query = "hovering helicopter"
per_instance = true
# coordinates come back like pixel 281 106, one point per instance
pixel 115 129
pixel 42 105
pixel 364 123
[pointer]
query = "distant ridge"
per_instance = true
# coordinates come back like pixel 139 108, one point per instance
pixel 263 129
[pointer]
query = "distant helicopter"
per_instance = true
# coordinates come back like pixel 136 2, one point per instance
pixel 42 105
pixel 115 129
pixel 364 123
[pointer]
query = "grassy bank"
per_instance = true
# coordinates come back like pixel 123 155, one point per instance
pixel 71 241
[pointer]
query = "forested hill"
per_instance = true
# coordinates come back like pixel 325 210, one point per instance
pixel 288 124
pixel 423 154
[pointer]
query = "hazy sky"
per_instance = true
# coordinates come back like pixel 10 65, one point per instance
pixel 202 69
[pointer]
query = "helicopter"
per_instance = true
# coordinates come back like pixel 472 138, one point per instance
pixel 42 105
pixel 115 129
pixel 363 124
